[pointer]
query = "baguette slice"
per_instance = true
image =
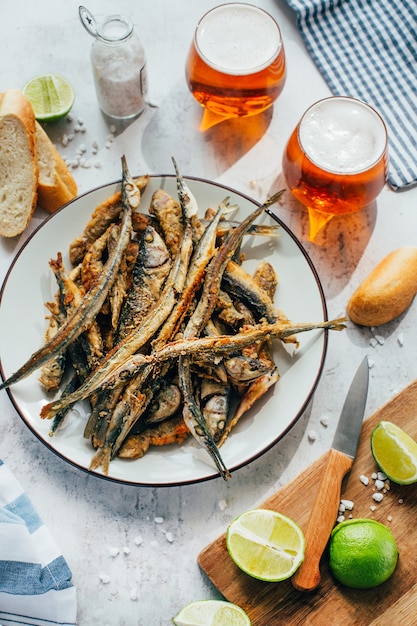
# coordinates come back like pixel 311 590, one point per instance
pixel 56 185
pixel 18 163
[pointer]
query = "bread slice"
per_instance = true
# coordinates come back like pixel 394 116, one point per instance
pixel 56 185
pixel 18 163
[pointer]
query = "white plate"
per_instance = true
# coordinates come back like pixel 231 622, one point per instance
pixel 30 283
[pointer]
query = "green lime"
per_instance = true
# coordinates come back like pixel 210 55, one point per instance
pixel 211 613
pixel 395 453
pixel 363 553
pixel 51 97
pixel 266 544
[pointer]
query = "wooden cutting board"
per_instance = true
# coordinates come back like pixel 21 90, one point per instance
pixel 393 603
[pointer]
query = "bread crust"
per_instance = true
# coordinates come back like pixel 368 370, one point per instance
pixel 16 111
pixel 56 185
pixel 387 291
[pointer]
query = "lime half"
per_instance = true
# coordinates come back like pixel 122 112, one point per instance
pixel 51 97
pixel 395 453
pixel 363 553
pixel 265 544
pixel 211 613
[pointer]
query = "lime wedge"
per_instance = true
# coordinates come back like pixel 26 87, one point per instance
pixel 266 545
pixel 51 97
pixel 211 613
pixel 395 453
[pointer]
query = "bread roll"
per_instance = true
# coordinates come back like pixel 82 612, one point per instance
pixel 56 186
pixel 18 163
pixel 388 290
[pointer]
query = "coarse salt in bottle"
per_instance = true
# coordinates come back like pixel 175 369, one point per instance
pixel 119 65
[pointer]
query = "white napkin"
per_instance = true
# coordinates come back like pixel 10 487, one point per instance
pixel 35 580
pixel 366 49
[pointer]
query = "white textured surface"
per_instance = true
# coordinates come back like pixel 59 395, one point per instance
pixel 133 550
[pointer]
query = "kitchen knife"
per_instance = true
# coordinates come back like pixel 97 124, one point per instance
pixel 338 462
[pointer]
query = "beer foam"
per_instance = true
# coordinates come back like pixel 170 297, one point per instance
pixel 342 135
pixel 238 39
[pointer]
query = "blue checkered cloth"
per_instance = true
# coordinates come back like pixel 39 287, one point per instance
pixel 367 49
pixel 35 580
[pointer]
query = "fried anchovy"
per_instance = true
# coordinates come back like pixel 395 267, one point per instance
pixel 85 351
pixel 165 403
pixel 215 271
pixel 94 299
pixel 150 271
pixel 130 406
pixel 196 423
pixel 266 230
pixel 168 432
pixel 243 286
pixel 202 254
pixel 53 371
pixel 187 199
pixel 222 344
pixel 169 215
pixel 255 391
pixel 192 414
pixel 226 344
pixel 103 215
pixel 266 278
pixel 88 347
pixel 215 404
pixel 71 386
pixel 243 369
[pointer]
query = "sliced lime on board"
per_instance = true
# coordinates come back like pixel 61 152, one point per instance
pixel 266 544
pixel 395 453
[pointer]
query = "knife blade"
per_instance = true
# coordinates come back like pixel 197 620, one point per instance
pixel 337 462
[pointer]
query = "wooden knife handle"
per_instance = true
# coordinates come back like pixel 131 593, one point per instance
pixel 322 519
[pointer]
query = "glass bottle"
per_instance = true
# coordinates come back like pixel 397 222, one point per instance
pixel 119 65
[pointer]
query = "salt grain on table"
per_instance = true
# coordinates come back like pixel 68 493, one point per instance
pixel 105 579
pixel 133 594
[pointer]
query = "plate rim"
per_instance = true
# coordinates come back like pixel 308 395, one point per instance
pixel 214 474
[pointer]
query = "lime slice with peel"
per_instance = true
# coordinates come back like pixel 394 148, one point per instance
pixel 395 453
pixel 211 613
pixel 51 97
pixel 266 545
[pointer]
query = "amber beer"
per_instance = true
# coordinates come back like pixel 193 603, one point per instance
pixel 236 63
pixel 336 159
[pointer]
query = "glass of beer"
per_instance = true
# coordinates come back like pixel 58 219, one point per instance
pixel 336 159
pixel 236 63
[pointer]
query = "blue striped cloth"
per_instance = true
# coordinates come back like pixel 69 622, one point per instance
pixel 367 49
pixel 35 580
